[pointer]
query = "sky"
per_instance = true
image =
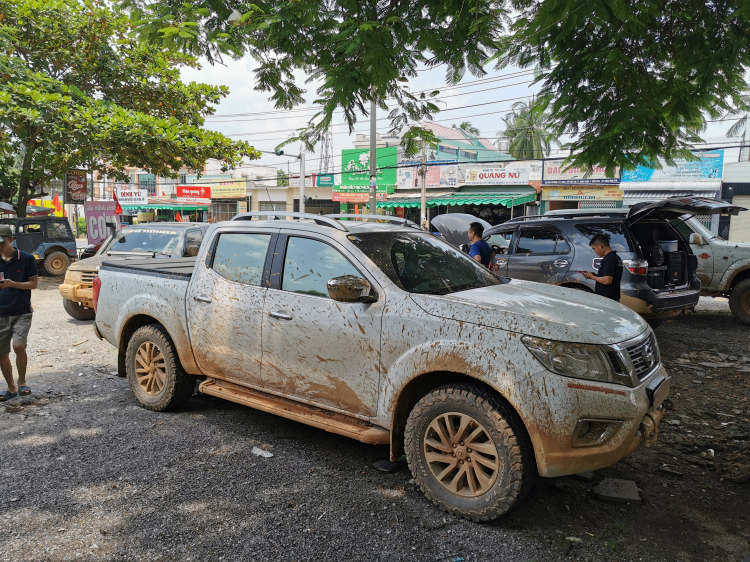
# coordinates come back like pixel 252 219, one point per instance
pixel 483 103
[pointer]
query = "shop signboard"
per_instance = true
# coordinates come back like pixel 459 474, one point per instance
pixel 132 197
pixel 229 190
pixel 355 167
pixel 406 177
pixel 324 180
pixel 496 175
pixel 101 220
pixel 241 207
pixel 76 186
pixel 194 194
pixel 309 180
pixel 556 173
pixel 581 193
pixel 355 197
pixel 708 167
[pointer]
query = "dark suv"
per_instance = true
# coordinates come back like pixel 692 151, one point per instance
pixel 49 239
pixel 554 248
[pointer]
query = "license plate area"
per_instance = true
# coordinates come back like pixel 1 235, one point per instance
pixel 658 390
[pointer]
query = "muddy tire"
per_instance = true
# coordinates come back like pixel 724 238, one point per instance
pixel 739 301
pixel 78 311
pixel 56 263
pixel 655 322
pixel 154 373
pixel 468 452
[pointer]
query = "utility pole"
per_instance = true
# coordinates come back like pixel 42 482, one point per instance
pixel 373 156
pixel 301 181
pixel 423 206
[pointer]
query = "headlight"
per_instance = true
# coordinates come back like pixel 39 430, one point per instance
pixel 73 276
pixel 577 360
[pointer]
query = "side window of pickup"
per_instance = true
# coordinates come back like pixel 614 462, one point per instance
pixel 241 257
pixel 310 264
pixel 540 241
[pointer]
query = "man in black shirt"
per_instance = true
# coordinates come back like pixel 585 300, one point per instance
pixel 19 278
pixel 610 271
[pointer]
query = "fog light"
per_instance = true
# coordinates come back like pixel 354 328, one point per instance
pixel 590 432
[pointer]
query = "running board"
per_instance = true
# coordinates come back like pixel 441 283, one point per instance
pixel 296 411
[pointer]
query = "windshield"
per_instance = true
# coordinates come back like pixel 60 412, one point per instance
pixel 421 263
pixel 696 225
pixel 147 240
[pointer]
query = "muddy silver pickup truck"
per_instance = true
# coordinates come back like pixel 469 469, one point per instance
pixel 388 335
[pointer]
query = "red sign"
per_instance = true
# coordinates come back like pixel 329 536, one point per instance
pixel 351 197
pixel 199 194
pixel 76 186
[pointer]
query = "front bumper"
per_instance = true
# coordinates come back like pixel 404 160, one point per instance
pixel 78 292
pixel 634 413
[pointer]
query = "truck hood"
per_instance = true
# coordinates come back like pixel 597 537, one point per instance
pixel 536 309
pixel 95 262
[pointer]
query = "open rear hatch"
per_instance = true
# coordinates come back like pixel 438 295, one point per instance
pixel 679 206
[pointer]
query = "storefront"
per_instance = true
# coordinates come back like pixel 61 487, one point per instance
pixel 576 188
pixel 228 199
pixel 736 190
pixel 164 212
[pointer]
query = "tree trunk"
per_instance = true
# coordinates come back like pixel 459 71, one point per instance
pixel 24 182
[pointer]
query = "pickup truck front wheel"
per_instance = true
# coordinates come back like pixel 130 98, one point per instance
pixel 154 373
pixel 739 301
pixel 468 452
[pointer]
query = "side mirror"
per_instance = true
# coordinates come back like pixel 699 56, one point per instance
pixel 191 251
pixel 498 249
pixel 464 248
pixel 696 239
pixel 350 288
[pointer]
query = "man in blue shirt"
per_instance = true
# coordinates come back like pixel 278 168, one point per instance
pixel 479 250
pixel 19 277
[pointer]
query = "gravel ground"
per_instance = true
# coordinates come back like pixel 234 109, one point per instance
pixel 88 475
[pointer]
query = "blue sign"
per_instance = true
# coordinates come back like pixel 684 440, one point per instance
pixel 709 166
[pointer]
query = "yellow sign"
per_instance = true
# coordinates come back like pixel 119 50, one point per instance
pixel 228 189
pixel 242 207
pixel 581 193
pixel 47 204
pixel 144 216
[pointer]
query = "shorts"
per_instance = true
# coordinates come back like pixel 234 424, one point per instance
pixel 15 328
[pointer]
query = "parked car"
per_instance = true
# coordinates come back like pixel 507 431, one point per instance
pixel 49 239
pixel 155 240
pixel 723 267
pixel 92 249
pixel 389 335
pixel 554 248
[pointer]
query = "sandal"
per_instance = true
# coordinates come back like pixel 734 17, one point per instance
pixel 6 395
pixel 24 390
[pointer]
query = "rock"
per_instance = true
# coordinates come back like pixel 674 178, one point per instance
pixel 574 539
pixel 717 365
pixel 674 422
pixel 696 381
pixel 385 465
pixel 262 453
pixel 617 490
pixel 669 471
pixel 722 356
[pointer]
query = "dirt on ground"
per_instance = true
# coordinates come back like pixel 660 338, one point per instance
pixel 85 474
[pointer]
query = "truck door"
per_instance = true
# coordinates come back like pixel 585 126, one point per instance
pixel 30 234
pixel 540 254
pixel 704 252
pixel 315 349
pixel 225 305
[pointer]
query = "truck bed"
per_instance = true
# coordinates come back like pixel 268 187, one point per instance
pixel 175 268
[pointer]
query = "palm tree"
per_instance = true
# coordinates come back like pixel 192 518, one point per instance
pixel 740 125
pixel 529 129
pixel 467 127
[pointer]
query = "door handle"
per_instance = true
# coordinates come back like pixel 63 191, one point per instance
pixel 502 263
pixel 281 316
pixel 560 263
pixel 203 298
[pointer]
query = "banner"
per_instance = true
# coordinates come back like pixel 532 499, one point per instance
pixel 355 167
pixel 76 186
pixel 709 166
pixel 476 175
pixel 564 193
pixel 229 190
pixel 324 180
pixel 309 180
pixel 198 194
pixel 132 197
pixel 355 197
pixel 101 220
pixel 555 174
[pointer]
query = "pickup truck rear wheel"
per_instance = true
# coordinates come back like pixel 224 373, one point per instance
pixel 78 311
pixel 154 373
pixel 468 452
pixel 56 263
pixel 739 301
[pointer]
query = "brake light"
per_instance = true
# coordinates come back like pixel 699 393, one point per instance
pixel 95 290
pixel 636 267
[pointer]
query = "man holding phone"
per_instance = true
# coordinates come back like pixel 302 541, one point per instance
pixel 19 276
pixel 609 276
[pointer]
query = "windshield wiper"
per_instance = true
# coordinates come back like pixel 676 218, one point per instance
pixel 436 292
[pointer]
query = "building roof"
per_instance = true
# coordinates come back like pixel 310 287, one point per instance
pixel 458 138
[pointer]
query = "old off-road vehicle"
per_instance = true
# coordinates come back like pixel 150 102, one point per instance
pixel 49 239
pixel 723 267
pixel 389 335
pixel 164 239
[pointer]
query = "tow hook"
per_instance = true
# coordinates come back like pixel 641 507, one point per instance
pixel 650 427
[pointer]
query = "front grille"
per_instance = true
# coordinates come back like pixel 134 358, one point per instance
pixel 644 355
pixel 87 277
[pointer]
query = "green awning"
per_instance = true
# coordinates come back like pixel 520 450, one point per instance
pixel 166 206
pixel 504 199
